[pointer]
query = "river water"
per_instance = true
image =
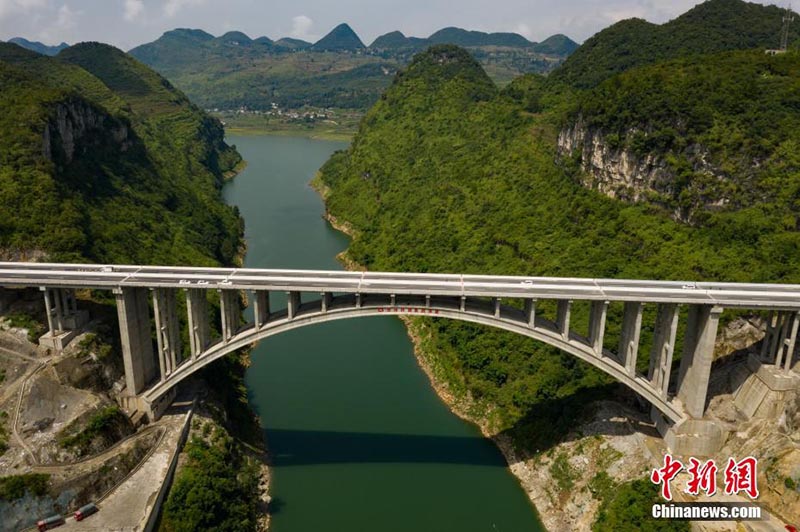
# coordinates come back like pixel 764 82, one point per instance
pixel 359 439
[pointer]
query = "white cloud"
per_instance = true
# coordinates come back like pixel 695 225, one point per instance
pixel 172 7
pixel 301 28
pixel 133 8
pixel 66 17
pixel 524 30
pixel 8 7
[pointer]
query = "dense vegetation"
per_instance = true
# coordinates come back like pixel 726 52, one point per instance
pixel 14 487
pixel 91 142
pixel 627 508
pixel 712 26
pixel 235 71
pixel 104 427
pixel 217 488
pixel 727 126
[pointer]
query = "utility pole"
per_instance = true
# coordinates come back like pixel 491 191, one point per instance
pixel 788 18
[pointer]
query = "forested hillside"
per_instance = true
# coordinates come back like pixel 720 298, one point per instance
pixel 712 26
pixel 102 159
pixel 709 135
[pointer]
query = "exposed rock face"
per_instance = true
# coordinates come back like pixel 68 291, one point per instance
pixel 617 171
pixel 71 123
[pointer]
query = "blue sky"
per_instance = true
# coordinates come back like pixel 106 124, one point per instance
pixel 127 23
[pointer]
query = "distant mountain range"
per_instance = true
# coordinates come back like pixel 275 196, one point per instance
pixel 342 38
pixel 38 47
pixel 339 70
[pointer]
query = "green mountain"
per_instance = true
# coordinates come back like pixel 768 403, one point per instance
pixel 295 44
pixel 236 38
pixel 339 39
pixel 38 47
pixel 712 26
pixel 463 37
pixel 396 40
pixel 556 45
pixel 102 159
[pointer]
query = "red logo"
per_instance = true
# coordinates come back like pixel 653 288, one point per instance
pixel 739 477
pixel 665 474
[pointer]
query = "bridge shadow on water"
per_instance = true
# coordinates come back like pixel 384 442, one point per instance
pixel 290 447
pixel 606 410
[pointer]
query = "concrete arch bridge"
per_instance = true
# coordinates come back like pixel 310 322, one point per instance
pixel 679 401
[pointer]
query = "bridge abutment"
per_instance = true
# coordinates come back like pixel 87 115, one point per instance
pixel 63 318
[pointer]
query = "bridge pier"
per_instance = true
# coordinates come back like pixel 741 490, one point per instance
pixel 261 307
pixel 778 347
pixel 137 346
pixel 167 330
pixel 629 338
pixel 563 313
pixel 229 311
pixel 530 312
pixel 63 317
pixel 197 312
pixel 292 304
pixel 698 354
pixel 597 325
pixel 326 300
pixel 663 348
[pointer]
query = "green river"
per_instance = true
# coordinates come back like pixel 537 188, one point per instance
pixel 359 439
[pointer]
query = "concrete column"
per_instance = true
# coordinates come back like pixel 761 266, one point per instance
pixel 562 321
pixel 167 329
pixel 766 355
pixel 49 310
pixel 496 302
pixel 293 304
pixel 427 301
pixel 197 314
pixel 58 317
pixel 229 310
pixel 791 341
pixel 530 312
pixel 463 304
pixel 393 300
pixel 597 325
pixel 358 300
pixel 137 346
pixel 629 337
pixel 698 354
pixel 260 308
pixel 327 299
pixel 663 346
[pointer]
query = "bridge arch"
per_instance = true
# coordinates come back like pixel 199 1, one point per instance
pixel 497 316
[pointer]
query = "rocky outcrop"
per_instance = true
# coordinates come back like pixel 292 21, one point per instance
pixel 613 168
pixel 72 122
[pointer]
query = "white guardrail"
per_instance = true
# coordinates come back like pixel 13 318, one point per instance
pixel 745 295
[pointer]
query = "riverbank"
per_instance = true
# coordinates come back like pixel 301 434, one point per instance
pixel 313 133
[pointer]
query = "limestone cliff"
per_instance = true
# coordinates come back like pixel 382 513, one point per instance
pixel 74 125
pixel 613 167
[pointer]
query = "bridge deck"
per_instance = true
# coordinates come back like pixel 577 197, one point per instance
pixel 743 295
